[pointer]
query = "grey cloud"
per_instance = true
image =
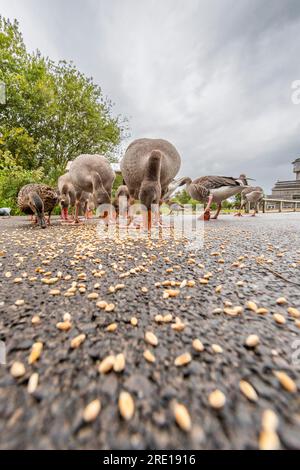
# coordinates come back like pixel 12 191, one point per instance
pixel 214 77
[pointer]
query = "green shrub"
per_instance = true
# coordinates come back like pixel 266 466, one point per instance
pixel 12 178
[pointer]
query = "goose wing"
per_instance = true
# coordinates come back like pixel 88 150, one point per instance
pixel 214 182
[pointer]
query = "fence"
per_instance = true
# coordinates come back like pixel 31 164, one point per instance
pixel 280 205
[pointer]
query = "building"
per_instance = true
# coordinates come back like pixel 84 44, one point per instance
pixel 289 190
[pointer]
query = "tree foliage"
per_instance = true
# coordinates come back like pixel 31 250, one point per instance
pixel 53 113
pixel 182 197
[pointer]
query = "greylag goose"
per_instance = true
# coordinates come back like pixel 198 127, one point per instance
pixel 122 198
pixel 37 199
pixel 252 194
pixel 67 194
pixel 93 174
pixel 148 167
pixel 214 189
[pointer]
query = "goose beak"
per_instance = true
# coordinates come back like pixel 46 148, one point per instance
pixel 42 222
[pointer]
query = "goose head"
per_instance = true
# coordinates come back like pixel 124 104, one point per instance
pixel 101 196
pixel 36 205
pixel 195 190
pixel 64 202
pixel 150 193
pixel 245 179
pixel 121 199
pixel 64 198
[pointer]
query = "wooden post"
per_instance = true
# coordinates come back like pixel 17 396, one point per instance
pixel 280 206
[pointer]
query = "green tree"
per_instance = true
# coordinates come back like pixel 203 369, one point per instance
pixel 237 200
pixel 53 112
pixel 12 178
pixel 183 197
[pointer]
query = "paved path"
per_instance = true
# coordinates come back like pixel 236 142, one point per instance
pixel 129 275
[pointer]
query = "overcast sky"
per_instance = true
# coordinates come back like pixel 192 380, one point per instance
pixel 212 76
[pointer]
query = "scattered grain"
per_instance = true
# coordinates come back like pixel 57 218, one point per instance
pixel 286 382
pixel 279 318
pixel 17 369
pixel 183 359
pixel 182 417
pixel 150 338
pixel 126 406
pixel 33 383
pixel 217 349
pixel 35 353
pixel 107 364
pixel 197 345
pixel 77 341
pixel 248 390
pixel 64 326
pixel 217 399
pixel 252 341
pixel 91 411
pixel 120 362
pixel 112 327
pixel 149 356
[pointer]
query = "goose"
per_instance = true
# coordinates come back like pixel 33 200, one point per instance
pixel 93 174
pixel 37 199
pixel 148 167
pixel 67 194
pixel 252 194
pixel 122 198
pixel 214 189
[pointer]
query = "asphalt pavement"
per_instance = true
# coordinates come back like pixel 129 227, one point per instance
pixel 73 296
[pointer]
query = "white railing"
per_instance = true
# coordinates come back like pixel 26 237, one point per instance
pixel 280 205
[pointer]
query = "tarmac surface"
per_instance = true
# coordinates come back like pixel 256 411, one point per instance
pixel 45 390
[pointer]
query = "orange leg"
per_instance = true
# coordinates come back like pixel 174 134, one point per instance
pixel 206 214
pixel 218 212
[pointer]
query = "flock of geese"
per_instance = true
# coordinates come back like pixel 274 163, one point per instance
pixel 149 168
